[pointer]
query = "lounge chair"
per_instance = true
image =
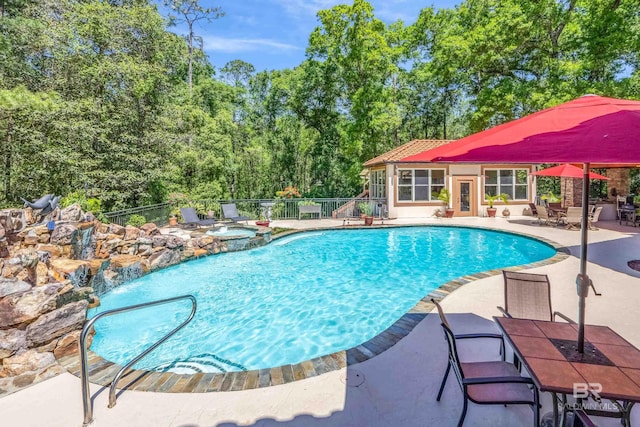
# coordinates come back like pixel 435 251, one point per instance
pixel 230 211
pixel 573 218
pixel 534 210
pixel 528 296
pixel 190 217
pixel 487 383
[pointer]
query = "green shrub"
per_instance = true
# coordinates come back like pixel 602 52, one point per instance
pixel 137 220
pixel 365 208
pixel 550 197
pixel 91 204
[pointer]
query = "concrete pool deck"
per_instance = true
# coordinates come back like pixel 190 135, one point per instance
pixel 400 385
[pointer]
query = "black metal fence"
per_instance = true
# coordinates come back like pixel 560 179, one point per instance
pixel 253 208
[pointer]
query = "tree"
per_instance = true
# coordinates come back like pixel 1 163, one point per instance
pixel 357 53
pixel 191 12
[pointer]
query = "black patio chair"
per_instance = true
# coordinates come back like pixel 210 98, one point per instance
pixel 488 383
pixel 190 217
pixel 581 419
pixel 230 211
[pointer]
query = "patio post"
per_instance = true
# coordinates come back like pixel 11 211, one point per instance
pixel 582 281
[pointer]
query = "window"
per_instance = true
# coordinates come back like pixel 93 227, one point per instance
pixel 420 185
pixel 377 185
pixel 514 182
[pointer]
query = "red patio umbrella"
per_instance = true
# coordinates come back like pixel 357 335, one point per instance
pixel 567 170
pixel 590 129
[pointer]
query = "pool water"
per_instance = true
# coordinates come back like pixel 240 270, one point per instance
pixel 303 296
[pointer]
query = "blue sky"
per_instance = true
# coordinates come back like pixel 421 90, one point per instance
pixel 273 34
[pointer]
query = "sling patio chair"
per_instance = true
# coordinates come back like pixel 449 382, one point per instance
pixel 528 296
pixel 593 218
pixel 544 218
pixel 573 218
pixel 487 383
pixel 190 217
pixel 230 211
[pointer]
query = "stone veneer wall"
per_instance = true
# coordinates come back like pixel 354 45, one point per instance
pixel 572 192
pixel 48 280
pixel 619 178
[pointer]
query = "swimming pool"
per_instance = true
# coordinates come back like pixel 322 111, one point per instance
pixel 302 296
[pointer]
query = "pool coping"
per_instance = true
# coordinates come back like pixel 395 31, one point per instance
pixel 102 371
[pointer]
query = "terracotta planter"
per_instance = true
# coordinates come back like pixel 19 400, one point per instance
pixel 506 213
pixel 173 221
pixel 262 223
pixel 492 212
pixel 368 220
pixel 449 213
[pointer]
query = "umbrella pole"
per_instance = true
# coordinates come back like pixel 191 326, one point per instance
pixel 582 281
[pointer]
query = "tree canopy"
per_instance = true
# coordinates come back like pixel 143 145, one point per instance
pixel 101 96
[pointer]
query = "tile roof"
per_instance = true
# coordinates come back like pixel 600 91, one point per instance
pixel 405 150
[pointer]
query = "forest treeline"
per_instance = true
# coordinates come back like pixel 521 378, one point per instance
pixel 96 96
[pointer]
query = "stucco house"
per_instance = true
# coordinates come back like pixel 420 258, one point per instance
pixel 410 188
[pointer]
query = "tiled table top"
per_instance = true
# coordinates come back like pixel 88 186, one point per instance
pixel 550 369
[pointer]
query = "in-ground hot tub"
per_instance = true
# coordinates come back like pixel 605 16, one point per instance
pixel 232 231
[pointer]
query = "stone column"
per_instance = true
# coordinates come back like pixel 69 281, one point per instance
pixel 620 180
pixel 571 192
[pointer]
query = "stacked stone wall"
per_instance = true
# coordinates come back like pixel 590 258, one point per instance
pixel 50 274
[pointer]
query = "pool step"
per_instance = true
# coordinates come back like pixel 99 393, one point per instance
pixel 286 240
pixel 206 362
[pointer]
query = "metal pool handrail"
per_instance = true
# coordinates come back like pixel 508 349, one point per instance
pixel 84 365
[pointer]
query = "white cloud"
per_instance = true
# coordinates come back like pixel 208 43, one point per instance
pixel 387 10
pixel 393 11
pixel 231 45
pixel 307 7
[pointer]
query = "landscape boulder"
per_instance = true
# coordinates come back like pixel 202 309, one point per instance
pixel 56 323
pixel 11 340
pixel 63 234
pixel 71 213
pixel 24 307
pixel 30 360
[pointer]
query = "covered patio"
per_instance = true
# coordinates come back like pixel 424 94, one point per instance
pixel 397 387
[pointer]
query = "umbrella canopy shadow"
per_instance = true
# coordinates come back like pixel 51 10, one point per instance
pixel 401 384
pixel 613 254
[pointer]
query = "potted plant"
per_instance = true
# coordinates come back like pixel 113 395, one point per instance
pixel 491 199
pixel 445 197
pixel 263 221
pixel 367 210
pixel 550 198
pixel 173 216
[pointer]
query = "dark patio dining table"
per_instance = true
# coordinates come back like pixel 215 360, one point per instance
pixel 558 212
pixel 608 370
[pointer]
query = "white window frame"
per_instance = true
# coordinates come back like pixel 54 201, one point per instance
pixel 499 187
pixel 430 184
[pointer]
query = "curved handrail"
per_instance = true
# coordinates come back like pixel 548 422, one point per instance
pixel 84 365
